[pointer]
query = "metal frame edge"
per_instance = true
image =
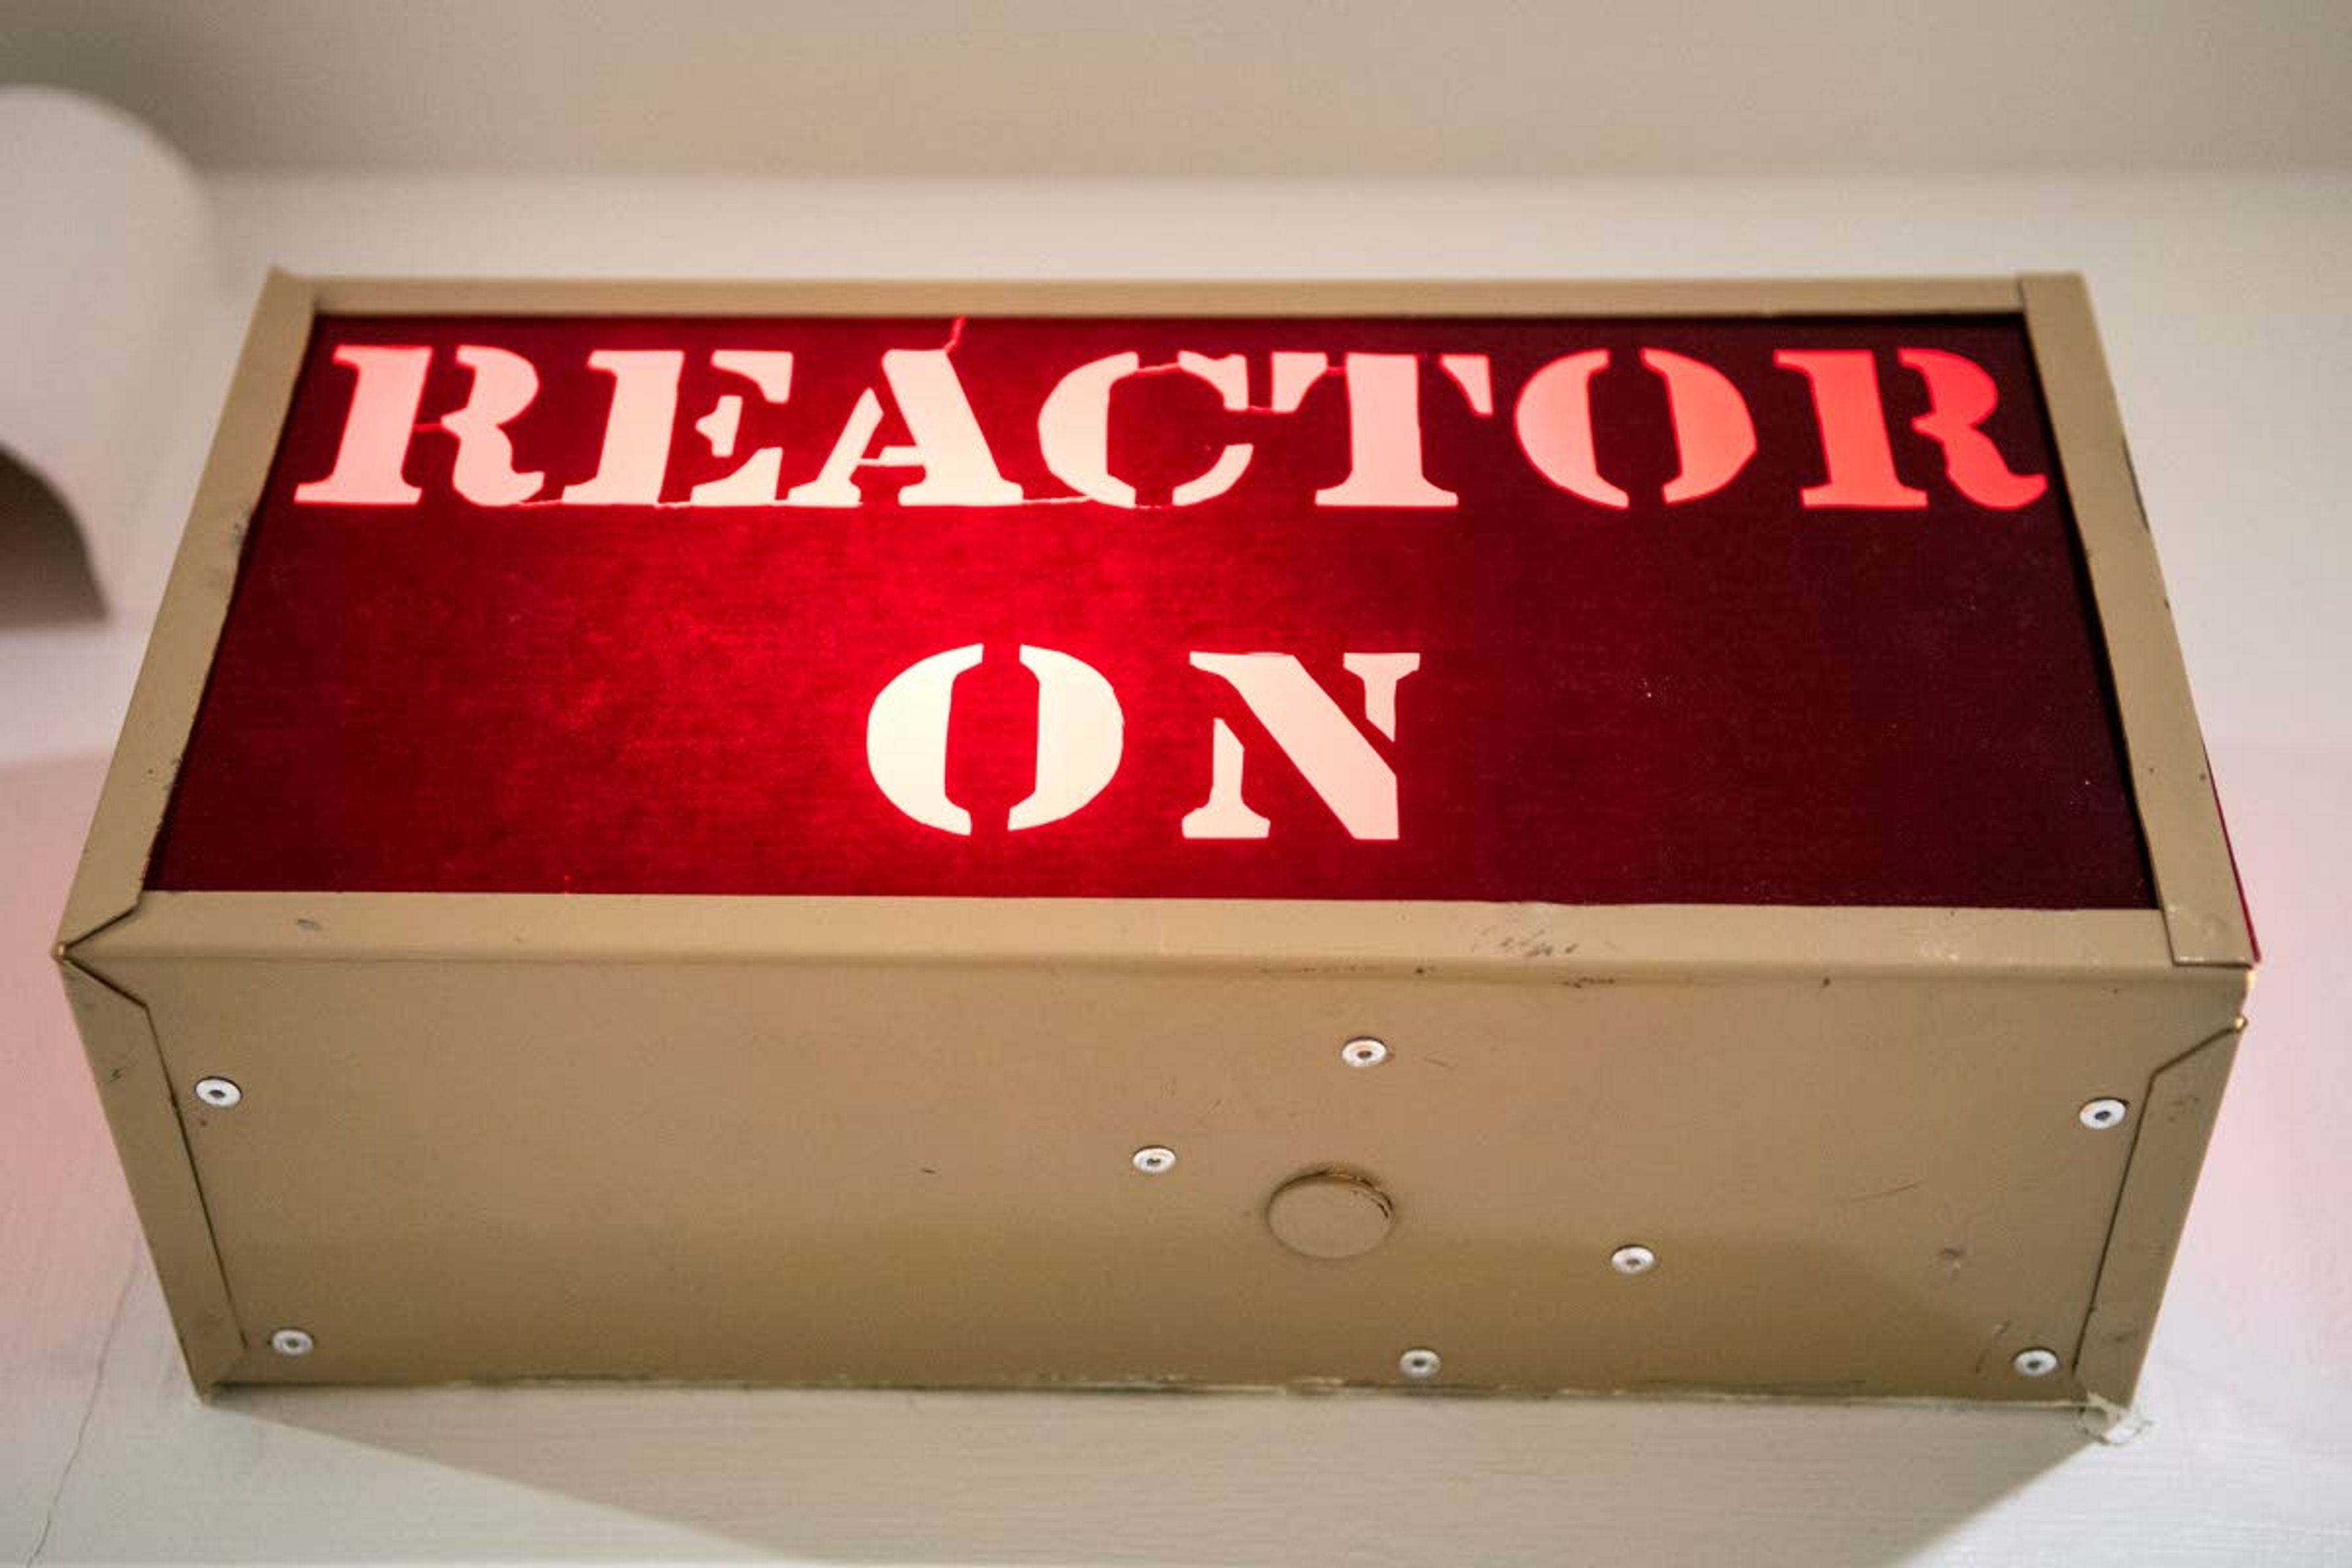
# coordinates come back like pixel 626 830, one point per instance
pixel 2175 1123
pixel 134 1090
pixel 112 873
pixel 2197 885
pixel 118 1032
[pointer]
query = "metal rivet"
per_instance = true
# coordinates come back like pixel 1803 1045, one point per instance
pixel 2035 1363
pixel 1155 1160
pixel 292 1342
pixel 2103 1113
pixel 1364 1051
pixel 219 1093
pixel 1634 1260
pixel 1419 1364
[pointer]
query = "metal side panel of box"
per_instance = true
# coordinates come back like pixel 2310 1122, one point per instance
pixel 831 1141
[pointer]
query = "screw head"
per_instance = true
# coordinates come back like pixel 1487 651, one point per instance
pixel 1155 1160
pixel 2100 1114
pixel 1364 1051
pixel 220 1093
pixel 292 1342
pixel 1419 1364
pixel 2035 1363
pixel 1634 1259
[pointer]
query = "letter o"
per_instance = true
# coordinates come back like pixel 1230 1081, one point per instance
pixel 1081 733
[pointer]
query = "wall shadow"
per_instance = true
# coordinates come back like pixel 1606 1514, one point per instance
pixel 1249 1480
pixel 1273 1480
pixel 45 571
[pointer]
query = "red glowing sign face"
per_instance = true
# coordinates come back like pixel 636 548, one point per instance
pixel 1574 611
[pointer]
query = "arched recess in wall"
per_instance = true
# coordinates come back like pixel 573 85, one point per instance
pixel 45 576
pixel 106 280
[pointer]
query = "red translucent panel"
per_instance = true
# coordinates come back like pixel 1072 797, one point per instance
pixel 1659 652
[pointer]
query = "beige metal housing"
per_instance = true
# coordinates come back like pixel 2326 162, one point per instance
pixel 870 1140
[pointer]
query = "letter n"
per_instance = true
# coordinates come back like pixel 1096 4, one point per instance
pixel 1327 748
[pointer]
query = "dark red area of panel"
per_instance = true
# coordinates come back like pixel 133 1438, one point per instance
pixel 1733 700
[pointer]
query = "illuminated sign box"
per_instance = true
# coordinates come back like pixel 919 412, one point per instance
pixel 1504 837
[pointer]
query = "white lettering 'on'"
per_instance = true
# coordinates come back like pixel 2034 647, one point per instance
pixel 907 738
pixel 1081 733
pixel 1326 747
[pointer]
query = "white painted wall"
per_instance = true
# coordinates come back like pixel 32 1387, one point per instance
pixel 1222 89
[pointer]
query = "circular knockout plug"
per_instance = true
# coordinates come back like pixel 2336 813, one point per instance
pixel 1330 1213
